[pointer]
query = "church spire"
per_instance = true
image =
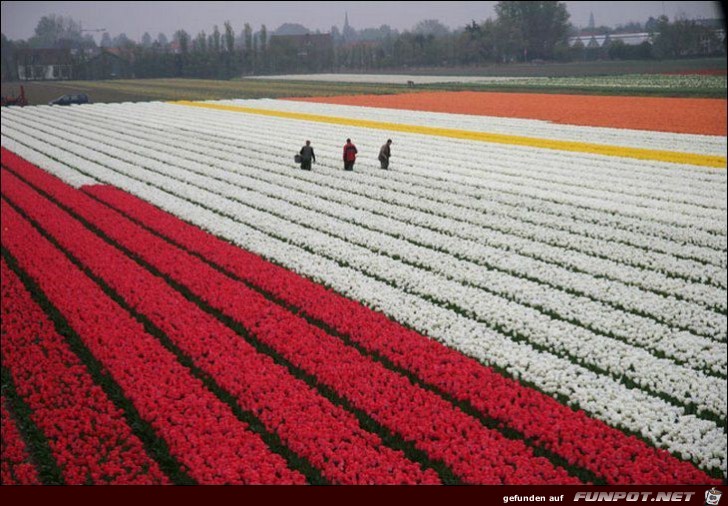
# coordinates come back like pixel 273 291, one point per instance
pixel 348 33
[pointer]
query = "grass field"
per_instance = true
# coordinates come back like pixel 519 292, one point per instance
pixel 582 68
pixel 653 85
pixel 568 79
pixel 137 90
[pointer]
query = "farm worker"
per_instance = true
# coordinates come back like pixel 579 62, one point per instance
pixel 307 155
pixel 384 154
pixel 350 152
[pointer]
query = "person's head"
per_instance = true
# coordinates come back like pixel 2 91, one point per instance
pixel 308 143
pixel 389 141
pixel 348 141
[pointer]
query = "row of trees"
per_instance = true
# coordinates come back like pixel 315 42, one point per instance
pixel 524 32
pixel 684 37
pixel 521 31
pixel 221 54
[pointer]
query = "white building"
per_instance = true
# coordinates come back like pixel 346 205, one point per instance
pixel 599 41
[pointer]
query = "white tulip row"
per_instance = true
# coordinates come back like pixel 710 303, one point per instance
pixel 501 190
pixel 637 257
pixel 489 228
pixel 581 345
pixel 689 143
pixel 666 425
pixel 339 241
pixel 388 78
pixel 506 164
pixel 499 203
pixel 513 165
pixel 688 315
pixel 626 81
pixel 48 159
pixel 634 329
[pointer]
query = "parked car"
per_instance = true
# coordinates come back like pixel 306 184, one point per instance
pixel 78 98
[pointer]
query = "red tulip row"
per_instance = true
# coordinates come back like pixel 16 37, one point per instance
pixel 88 437
pixel 203 434
pixel 581 440
pixel 474 453
pixel 309 424
pixel 16 468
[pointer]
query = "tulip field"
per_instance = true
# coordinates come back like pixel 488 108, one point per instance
pixel 515 301
pixel 709 81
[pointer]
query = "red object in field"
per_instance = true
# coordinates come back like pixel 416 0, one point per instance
pixel 19 100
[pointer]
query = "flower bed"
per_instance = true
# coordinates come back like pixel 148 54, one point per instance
pixel 681 115
pixel 16 466
pixel 87 434
pixel 202 433
pixel 491 323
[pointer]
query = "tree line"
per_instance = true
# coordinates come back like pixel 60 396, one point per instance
pixel 522 31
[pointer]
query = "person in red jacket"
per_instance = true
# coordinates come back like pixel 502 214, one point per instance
pixel 350 152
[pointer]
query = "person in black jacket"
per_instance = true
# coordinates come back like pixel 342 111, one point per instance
pixel 385 153
pixel 307 155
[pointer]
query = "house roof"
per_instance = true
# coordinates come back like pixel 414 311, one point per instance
pixel 112 52
pixel 631 39
pixel 320 40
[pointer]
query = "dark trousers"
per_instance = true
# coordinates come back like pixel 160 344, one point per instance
pixel 349 165
pixel 306 164
pixel 384 162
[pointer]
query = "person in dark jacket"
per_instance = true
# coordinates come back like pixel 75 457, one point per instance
pixel 384 153
pixel 307 155
pixel 350 152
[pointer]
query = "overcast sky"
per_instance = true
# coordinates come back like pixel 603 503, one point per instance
pixel 19 19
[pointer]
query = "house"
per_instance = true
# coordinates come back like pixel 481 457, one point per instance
pixel 108 64
pixel 589 41
pixel 44 64
pixel 307 45
pixel 175 47
pixel 312 52
pixel 603 41
pixel 632 39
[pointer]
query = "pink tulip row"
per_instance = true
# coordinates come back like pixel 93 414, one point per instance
pixel 309 424
pixel 88 436
pixel 16 467
pixel 203 434
pixel 474 453
pixel 583 441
